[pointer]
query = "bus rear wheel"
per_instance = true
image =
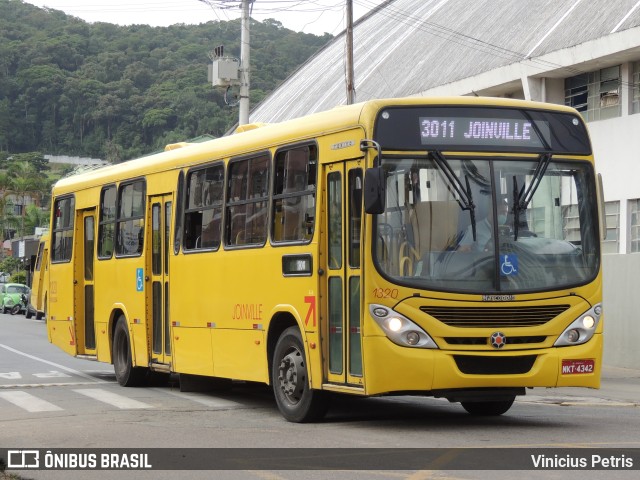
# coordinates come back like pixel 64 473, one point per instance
pixel 295 399
pixel 489 408
pixel 126 374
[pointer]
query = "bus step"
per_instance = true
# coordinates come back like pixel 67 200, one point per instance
pixel 332 387
pixel 88 357
pixel 160 367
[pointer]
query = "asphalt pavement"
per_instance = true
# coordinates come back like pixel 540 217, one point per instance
pixel 618 386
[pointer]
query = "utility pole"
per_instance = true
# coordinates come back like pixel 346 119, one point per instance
pixel 351 89
pixel 228 71
pixel 245 57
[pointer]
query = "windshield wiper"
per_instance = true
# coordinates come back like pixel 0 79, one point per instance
pixel 522 198
pixel 465 198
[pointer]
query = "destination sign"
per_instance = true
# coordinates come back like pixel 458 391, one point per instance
pixel 480 131
pixel 481 128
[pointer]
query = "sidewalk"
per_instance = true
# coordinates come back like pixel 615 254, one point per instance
pixel 619 387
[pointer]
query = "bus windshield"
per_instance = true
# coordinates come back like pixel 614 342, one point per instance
pixel 489 224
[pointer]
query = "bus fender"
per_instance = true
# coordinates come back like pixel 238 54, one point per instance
pixel 283 316
pixel 118 309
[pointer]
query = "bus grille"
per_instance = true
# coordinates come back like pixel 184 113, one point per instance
pixel 485 340
pixel 495 317
pixel 498 365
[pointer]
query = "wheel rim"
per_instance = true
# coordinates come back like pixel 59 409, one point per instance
pixel 291 375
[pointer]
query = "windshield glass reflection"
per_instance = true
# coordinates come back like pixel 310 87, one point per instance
pixel 499 225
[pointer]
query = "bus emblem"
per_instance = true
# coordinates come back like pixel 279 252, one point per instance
pixel 498 340
pixel 498 298
pixel 341 145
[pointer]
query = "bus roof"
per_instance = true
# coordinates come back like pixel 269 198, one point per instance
pixel 269 135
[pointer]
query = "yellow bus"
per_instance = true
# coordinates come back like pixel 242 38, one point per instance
pixel 40 281
pixel 441 247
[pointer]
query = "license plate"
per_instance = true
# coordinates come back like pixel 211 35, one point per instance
pixel 574 367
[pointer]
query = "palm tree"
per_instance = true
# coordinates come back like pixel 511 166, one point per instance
pixel 35 217
pixel 5 218
pixel 24 181
pixel 21 180
pixel 21 187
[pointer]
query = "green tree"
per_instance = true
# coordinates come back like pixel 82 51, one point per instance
pixel 23 180
pixel 108 91
pixel 30 161
pixel 35 217
pixel 9 265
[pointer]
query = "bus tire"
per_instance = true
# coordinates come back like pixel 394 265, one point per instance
pixel 488 409
pixel 295 399
pixel 126 374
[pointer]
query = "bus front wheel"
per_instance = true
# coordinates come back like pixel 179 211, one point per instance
pixel 295 399
pixel 489 408
pixel 126 374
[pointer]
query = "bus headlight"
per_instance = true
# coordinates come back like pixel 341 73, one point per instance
pixel 399 329
pixel 582 329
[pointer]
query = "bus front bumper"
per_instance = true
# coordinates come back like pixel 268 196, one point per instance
pixel 390 368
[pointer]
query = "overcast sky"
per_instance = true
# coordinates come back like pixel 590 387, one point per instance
pixel 309 16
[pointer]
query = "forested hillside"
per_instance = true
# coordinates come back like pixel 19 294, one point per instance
pixel 111 92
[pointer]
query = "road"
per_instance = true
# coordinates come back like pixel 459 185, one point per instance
pixel 49 400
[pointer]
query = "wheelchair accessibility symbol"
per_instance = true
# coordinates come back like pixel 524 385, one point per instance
pixel 139 280
pixel 508 265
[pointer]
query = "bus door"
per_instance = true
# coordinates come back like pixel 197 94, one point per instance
pixel 158 260
pixel 40 278
pixel 342 297
pixel 84 281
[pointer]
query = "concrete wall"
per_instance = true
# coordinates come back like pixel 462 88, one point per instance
pixel 621 274
pixel 74 160
pixel 616 146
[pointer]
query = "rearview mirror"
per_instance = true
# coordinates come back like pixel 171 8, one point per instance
pixel 374 190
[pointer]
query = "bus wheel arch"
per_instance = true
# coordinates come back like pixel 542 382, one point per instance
pixel 121 355
pixel 296 400
pixel 279 323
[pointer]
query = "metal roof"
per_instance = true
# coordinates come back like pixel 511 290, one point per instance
pixel 405 47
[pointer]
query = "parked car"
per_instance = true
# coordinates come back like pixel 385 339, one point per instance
pixel 14 294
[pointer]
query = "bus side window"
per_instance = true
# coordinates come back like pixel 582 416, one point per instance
pixel 62 235
pixel 203 211
pixel 106 225
pixel 294 195
pixel 247 201
pixel 130 221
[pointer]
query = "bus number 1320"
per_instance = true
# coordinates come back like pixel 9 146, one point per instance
pixel 385 292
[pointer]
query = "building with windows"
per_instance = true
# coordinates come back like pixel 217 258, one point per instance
pixel 582 53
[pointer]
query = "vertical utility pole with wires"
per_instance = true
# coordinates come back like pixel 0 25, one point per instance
pixel 245 57
pixel 351 88
pixel 227 71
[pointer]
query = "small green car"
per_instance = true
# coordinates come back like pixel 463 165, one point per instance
pixel 11 296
